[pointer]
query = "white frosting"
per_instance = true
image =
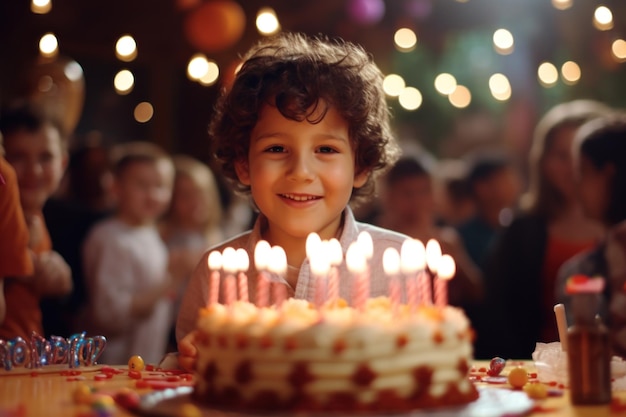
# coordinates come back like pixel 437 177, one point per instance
pixel 332 344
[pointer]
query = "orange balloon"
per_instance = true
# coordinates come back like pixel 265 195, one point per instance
pixel 58 85
pixel 215 25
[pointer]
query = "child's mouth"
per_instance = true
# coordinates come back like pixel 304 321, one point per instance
pixel 299 197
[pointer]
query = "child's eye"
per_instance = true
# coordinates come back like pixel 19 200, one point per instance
pixel 275 149
pixel 327 149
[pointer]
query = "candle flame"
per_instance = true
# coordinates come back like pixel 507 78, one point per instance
pixel 278 261
pixel 313 244
pixel 446 268
pixel 365 242
pixel 355 259
pixel 412 256
pixel 320 264
pixel 433 255
pixel 215 260
pixel 333 251
pixel 243 261
pixel 391 261
pixel 229 260
pixel 262 253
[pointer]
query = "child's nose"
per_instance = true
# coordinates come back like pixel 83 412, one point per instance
pixel 301 168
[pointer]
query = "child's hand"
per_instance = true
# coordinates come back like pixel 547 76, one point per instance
pixel 53 276
pixel 187 352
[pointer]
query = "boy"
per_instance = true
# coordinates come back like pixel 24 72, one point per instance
pixel 304 130
pixel 125 260
pixel 35 148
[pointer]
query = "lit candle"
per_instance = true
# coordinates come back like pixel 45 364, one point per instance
pixel 366 247
pixel 320 266
pixel 433 255
pixel 229 262
pixel 262 254
pixel 243 263
pixel 445 272
pixel 409 265
pixel 365 242
pixel 391 266
pixel 278 266
pixel 357 265
pixel 313 244
pixel 334 252
pixel 214 262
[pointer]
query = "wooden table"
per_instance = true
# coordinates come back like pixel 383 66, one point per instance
pixel 51 394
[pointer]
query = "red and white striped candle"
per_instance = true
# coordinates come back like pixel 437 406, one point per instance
pixel 229 262
pixel 433 257
pixel 357 265
pixel 262 254
pixel 214 262
pixel 409 265
pixel 334 252
pixel 243 263
pixel 391 266
pixel 445 272
pixel 278 266
pixel 320 266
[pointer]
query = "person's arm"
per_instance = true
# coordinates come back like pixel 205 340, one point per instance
pixel 467 287
pixel 195 297
pixel 52 277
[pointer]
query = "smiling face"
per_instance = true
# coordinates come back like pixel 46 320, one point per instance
pixel 301 174
pixel 39 162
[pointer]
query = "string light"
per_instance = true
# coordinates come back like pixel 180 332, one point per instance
pixel 126 48
pixel 445 83
pixel 548 74
pixel 618 48
pixel 570 71
pixel 603 18
pixel 49 45
pixel 562 4
pixel 410 98
pixel 267 22
pixel 405 39
pixel 461 97
pixel 124 82
pixel 393 84
pixel 143 112
pixel 40 6
pixel 503 41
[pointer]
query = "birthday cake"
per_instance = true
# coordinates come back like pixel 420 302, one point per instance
pixel 383 357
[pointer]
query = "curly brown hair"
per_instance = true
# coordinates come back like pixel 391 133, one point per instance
pixel 298 74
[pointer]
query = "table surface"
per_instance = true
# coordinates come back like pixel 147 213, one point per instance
pixel 51 392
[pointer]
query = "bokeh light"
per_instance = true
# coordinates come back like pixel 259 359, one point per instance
pixel 461 97
pixel 126 48
pixel 49 45
pixel 562 4
pixel 212 74
pixel 393 84
pixel 143 112
pixel 548 74
pixel 570 71
pixel 267 22
pixel 405 39
pixel 445 83
pixel 41 6
pixel 503 41
pixel 618 49
pixel 603 18
pixel 410 98
pixel 500 87
pixel 366 12
pixel 73 71
pixel 198 67
pixel 124 82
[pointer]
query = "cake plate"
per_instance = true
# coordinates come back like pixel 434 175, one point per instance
pixel 492 402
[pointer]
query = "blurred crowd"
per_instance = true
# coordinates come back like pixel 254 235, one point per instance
pixel 112 234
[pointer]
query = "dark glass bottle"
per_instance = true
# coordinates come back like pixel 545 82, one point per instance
pixel 589 353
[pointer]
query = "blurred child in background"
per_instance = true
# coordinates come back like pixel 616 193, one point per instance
pixel 36 149
pixel 126 262
pixel 408 207
pixel 495 185
pixel 192 222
